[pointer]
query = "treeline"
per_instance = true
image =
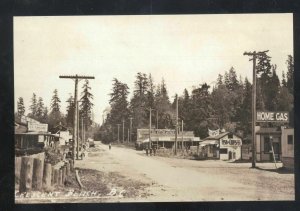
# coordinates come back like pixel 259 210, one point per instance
pixel 227 105
pixel 54 116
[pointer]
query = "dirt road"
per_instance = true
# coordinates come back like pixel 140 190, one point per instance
pixel 173 179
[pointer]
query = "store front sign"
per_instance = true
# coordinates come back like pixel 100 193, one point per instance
pixel 37 127
pixel 231 142
pixel 267 116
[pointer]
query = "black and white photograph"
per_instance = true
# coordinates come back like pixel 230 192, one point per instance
pixel 154 108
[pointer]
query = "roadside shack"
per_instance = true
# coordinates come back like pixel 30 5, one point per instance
pixel 225 146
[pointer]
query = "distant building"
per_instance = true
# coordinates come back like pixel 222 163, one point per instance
pixel 281 139
pixel 32 137
pixel 165 138
pixel 63 133
pixel 225 146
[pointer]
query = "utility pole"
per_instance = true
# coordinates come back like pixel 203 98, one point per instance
pixel 254 55
pixel 118 132
pixel 150 143
pixel 182 133
pixel 82 130
pixel 123 129
pixel 156 119
pixel 130 129
pixel 176 126
pixel 76 78
pixel 77 141
pixel 128 136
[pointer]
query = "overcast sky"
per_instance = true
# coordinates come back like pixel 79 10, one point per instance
pixel 185 50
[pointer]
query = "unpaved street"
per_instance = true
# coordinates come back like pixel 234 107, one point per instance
pixel 173 179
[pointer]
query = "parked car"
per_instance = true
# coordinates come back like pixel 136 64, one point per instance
pixel 91 142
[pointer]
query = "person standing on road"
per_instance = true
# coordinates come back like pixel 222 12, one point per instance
pixel 109 146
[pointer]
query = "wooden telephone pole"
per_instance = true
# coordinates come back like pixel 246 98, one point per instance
pixel 150 121
pixel 176 126
pixel 130 128
pixel 118 132
pixel 77 78
pixel 254 56
pixel 123 129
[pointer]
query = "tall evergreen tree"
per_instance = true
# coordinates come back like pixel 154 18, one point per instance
pixel 220 80
pixel 201 110
pixel 20 107
pixel 226 80
pixel 283 81
pixel 290 74
pixel 40 109
pixel 245 109
pixel 55 116
pixel 232 80
pixel 138 103
pixel 55 102
pixel 70 112
pixel 163 107
pixel 33 106
pixel 150 92
pixel 119 105
pixel 86 104
pixel 45 115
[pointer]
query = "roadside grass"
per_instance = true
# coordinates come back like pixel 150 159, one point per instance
pixel 104 183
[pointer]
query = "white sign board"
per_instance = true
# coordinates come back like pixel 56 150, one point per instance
pixel 213 133
pixel 37 127
pixel 269 116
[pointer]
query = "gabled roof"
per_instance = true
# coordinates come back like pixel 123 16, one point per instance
pixel 221 135
pixel 20 128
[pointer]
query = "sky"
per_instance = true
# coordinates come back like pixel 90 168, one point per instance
pixel 185 50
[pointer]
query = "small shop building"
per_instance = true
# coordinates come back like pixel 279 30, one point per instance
pixel 277 139
pixel 225 146
pixel 165 138
pixel 31 137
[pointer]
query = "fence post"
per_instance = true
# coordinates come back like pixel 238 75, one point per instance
pixel 60 177
pixel 26 174
pixel 17 169
pixel 71 165
pixel 63 175
pixel 47 176
pixel 37 175
pixel 68 169
pixel 56 175
pixel 52 176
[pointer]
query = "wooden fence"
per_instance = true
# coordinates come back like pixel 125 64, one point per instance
pixel 31 173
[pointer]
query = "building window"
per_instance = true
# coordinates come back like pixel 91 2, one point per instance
pixel 223 150
pixel 267 144
pixel 230 135
pixel 290 139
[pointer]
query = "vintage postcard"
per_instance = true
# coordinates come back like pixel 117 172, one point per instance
pixel 154 108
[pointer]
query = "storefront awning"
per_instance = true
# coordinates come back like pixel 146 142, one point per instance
pixel 209 142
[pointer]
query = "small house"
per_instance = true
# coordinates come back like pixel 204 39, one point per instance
pixel 225 146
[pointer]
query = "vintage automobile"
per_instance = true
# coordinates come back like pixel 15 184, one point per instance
pixel 91 142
